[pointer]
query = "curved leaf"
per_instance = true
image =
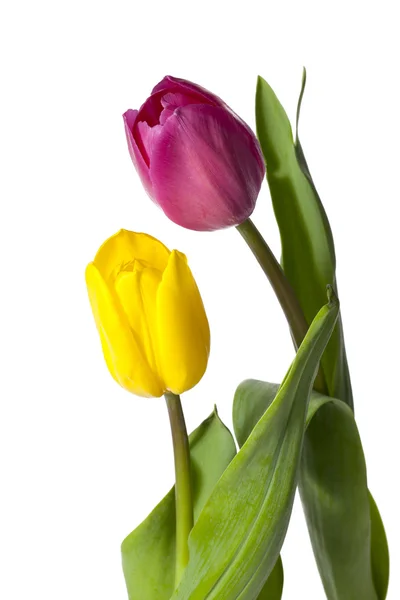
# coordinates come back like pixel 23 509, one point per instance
pixel 347 534
pixel 237 539
pixel 308 260
pixel 273 587
pixel 148 553
pixel 308 255
pixel 333 489
pixel 243 424
pixel 252 398
pixel 379 551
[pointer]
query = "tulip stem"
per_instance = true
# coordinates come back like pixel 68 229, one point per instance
pixel 282 288
pixel 280 284
pixel 183 487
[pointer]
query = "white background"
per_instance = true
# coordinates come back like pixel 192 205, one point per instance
pixel 83 461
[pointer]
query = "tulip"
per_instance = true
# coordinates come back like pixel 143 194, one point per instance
pixel 196 158
pixel 149 314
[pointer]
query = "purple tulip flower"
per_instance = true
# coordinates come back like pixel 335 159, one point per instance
pixel 196 158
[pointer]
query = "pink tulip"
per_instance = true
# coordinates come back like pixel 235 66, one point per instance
pixel 196 158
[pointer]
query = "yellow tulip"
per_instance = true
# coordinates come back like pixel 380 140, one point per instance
pixel 149 314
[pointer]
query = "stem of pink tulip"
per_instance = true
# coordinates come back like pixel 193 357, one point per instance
pixel 282 288
pixel 183 487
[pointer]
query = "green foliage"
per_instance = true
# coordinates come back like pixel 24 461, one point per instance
pixel 379 551
pixel 308 260
pixel 349 547
pixel 256 404
pixel 333 488
pixel 237 539
pixel 273 587
pixel 308 255
pixel 148 553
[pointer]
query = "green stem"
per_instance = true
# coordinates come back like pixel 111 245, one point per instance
pixel 282 288
pixel 183 488
pixel 280 284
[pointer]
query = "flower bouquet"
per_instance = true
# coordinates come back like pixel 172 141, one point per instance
pixel 219 532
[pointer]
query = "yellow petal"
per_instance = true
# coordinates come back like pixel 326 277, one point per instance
pixel 122 354
pixel 126 246
pixel 137 291
pixel 183 330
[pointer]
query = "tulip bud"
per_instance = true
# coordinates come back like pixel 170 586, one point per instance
pixel 196 158
pixel 149 313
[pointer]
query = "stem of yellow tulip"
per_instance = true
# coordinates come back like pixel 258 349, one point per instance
pixel 282 288
pixel 183 487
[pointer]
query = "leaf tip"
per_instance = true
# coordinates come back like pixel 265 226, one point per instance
pixel 260 82
pixel 332 298
pixel 303 87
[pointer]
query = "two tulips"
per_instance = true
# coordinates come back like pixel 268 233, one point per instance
pixel 219 534
pixel 203 166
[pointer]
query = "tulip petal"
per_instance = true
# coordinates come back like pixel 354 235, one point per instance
pixel 137 292
pixel 138 154
pixel 183 330
pixel 173 100
pixel 124 359
pixel 148 135
pixel 206 168
pixel 175 84
pixel 126 246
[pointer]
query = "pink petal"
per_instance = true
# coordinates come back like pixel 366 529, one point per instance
pixel 206 168
pixel 130 118
pixel 148 135
pixel 174 84
pixel 171 101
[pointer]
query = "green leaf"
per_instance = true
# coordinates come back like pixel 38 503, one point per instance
pixel 273 587
pixel 333 489
pixel 251 400
pixel 237 539
pixel 308 260
pixel 379 551
pixel 148 553
pixel 308 255
pixel 255 403
pixel 347 534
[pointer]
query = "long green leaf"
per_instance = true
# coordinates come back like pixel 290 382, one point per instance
pixel 273 587
pixel 243 427
pixel 148 553
pixel 350 550
pixel 308 260
pixel 333 489
pixel 237 539
pixel 308 255
pixel 379 551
